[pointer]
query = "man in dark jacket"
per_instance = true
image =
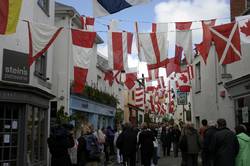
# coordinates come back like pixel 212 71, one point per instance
pixel 60 140
pixel 208 135
pixel 224 145
pixel 126 143
pixel 146 139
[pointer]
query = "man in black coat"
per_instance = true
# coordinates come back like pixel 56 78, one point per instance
pixel 60 140
pixel 208 135
pixel 224 145
pixel 127 143
pixel 146 139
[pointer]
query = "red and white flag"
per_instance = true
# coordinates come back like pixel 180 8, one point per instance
pixel 161 83
pixel 130 80
pixel 244 27
pixel 82 46
pixel 139 98
pixel 227 42
pixel 183 82
pixel 184 41
pixel 41 37
pixel 204 47
pixel 108 76
pixel 87 23
pixel 152 74
pixel 160 27
pixel 119 45
pixel 153 48
pixel 172 66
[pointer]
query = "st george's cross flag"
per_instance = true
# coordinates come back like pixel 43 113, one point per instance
pixel 87 23
pixel 226 38
pixel 82 47
pixel 204 47
pixel 107 7
pixel 152 75
pixel 244 27
pixel 9 15
pixel 153 48
pixel 41 37
pixel 119 45
pixel 183 41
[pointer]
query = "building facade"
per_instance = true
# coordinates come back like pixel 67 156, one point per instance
pixel 99 115
pixel 25 92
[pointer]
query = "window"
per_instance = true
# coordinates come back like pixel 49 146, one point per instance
pixel 198 77
pixel 40 66
pixel 36 135
pixel 44 5
pixel 248 3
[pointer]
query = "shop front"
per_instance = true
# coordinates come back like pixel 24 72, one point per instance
pixel 23 125
pixel 239 90
pixel 99 115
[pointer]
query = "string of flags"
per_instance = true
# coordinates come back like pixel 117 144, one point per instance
pixel 152 48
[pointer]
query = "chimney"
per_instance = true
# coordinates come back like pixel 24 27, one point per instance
pixel 237 7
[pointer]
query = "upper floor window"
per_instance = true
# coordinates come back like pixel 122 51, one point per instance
pixel 40 66
pixel 198 77
pixel 44 5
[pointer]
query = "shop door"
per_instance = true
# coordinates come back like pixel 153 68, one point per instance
pixel 9 133
pixel 243 112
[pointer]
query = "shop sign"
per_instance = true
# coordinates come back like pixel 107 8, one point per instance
pixel 15 66
pixel 181 98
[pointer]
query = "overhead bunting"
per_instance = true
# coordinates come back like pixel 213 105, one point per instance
pixel 152 75
pixel 119 45
pixel 87 23
pixel 106 7
pixel 41 37
pixel 204 47
pixel 154 49
pixel 139 98
pixel 183 82
pixel 227 42
pixel 172 66
pixel 244 27
pixel 82 46
pixel 9 15
pixel 184 41
pixel 130 80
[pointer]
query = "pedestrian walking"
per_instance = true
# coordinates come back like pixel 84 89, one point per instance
pixel 169 138
pixel 127 144
pixel 243 158
pixel 60 140
pixel 192 142
pixel 176 138
pixel 89 151
pixel 207 159
pixel 146 139
pixel 118 153
pixel 203 128
pixel 224 145
pixel 164 140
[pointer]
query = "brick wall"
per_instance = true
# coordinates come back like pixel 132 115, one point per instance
pixel 237 7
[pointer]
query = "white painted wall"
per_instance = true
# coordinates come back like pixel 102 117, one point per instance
pixel 19 41
pixel 63 67
pixel 208 103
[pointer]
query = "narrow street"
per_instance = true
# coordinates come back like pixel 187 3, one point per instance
pixel 169 161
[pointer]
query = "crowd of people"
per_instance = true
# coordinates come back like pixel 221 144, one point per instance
pixel 213 142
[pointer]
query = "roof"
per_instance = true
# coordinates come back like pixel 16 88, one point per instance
pixel 102 63
pixel 71 11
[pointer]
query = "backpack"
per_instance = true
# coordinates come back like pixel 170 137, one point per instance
pixel 93 147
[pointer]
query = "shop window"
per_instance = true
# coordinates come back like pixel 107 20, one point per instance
pixel 44 5
pixel 198 77
pixel 36 135
pixel 40 66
